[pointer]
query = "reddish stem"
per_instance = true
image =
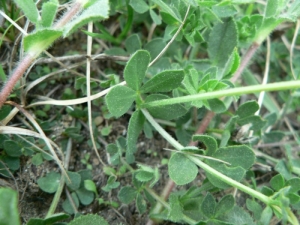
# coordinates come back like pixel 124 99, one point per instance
pixel 14 77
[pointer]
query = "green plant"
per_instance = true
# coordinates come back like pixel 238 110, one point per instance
pixel 188 70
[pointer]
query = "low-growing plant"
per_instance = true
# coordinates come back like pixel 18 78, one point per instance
pixel 187 70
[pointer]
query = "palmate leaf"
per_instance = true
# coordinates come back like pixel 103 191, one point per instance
pixel 136 68
pixel 119 100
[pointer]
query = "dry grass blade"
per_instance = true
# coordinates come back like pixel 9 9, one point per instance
pixel 43 136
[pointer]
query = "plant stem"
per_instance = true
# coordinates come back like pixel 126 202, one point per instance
pixel 278 86
pixel 14 77
pixel 29 58
pixel 265 199
pixel 246 59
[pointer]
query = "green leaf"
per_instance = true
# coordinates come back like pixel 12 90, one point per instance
pixel 222 41
pixel 67 206
pixel 240 155
pixel 209 142
pixel 216 105
pixel 49 12
pixel 224 205
pixel 144 176
pixel 155 46
pixel 168 9
pixel 89 219
pixel 9 207
pixel 127 194
pixel 133 43
pixel 4 111
pixel 181 169
pixel 136 68
pixel 167 112
pixel 141 204
pixel 294 184
pixel 271 8
pixel 266 216
pixel 247 109
pixel 85 197
pixel 40 40
pixel 156 18
pixel 224 10
pixel 135 126
pixel 231 65
pixel 75 180
pixel 239 216
pixel 50 182
pixel 256 122
pixel 29 9
pixel 119 100
pixel 12 148
pixel 208 205
pixel 97 11
pixel 254 207
pixel 139 6
pixel 277 182
pixel 176 211
pixel 164 81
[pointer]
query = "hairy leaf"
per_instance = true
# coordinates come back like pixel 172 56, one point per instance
pixel 49 12
pixel 119 100
pixel 181 169
pixel 136 68
pixel 135 126
pixel 139 6
pixel 167 112
pixel 209 142
pixel 89 219
pixel 224 205
pixel 208 205
pixel 127 194
pixel 29 9
pixel 97 11
pixel 222 41
pixel 164 81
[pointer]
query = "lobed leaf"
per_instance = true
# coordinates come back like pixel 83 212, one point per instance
pixel 136 68
pixel 164 81
pixel 119 99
